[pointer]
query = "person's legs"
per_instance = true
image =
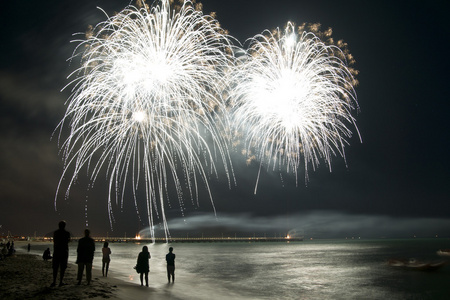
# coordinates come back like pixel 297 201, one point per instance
pixel 103 268
pixel 89 273
pixel 55 274
pixel 63 264
pixel 141 276
pixel 107 267
pixel 55 265
pixel 146 278
pixel 80 272
pixel 171 273
pixel 61 274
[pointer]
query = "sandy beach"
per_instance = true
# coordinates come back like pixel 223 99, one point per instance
pixel 27 276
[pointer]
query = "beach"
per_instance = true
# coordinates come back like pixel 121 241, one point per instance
pixel 311 269
pixel 28 276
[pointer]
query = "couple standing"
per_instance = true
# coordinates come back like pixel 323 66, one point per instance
pixel 142 266
pixel 85 254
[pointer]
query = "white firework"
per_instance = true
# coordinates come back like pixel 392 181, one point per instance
pixel 145 101
pixel 293 96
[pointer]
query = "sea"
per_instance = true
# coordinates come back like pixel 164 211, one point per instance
pixel 309 269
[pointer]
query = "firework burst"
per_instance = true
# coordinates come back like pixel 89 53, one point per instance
pixel 144 103
pixel 292 98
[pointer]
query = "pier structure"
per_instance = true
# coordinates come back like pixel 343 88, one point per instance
pixel 197 239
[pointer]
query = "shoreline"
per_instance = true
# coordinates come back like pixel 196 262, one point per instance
pixel 27 276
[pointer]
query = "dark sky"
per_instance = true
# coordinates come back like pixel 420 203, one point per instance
pixel 395 181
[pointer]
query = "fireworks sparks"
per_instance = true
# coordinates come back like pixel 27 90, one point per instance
pixel 146 103
pixel 292 97
pixel 145 94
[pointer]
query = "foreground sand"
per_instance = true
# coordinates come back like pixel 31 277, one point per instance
pixel 26 276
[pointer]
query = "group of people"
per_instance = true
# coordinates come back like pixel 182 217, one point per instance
pixel 7 249
pixel 143 267
pixel 85 257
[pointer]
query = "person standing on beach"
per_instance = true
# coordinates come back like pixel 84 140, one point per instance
pixel 4 251
pixel 170 259
pixel 142 266
pixel 106 259
pixel 85 256
pixel 61 239
pixel 11 249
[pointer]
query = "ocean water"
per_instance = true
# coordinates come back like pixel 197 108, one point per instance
pixel 318 269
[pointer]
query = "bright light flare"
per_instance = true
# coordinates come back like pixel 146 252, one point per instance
pixel 144 104
pixel 147 103
pixel 293 97
pixel 139 116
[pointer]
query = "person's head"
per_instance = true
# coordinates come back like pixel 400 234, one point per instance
pixel 87 232
pixel 105 245
pixel 62 224
pixel 145 249
pixel 170 249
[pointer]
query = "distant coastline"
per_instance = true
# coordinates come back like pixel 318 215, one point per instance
pixel 138 239
pixel 201 239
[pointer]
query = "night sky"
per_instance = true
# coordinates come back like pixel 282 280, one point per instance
pixel 393 184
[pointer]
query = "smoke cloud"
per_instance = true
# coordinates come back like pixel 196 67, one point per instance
pixel 317 224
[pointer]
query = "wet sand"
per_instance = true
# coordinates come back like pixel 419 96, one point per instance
pixel 27 276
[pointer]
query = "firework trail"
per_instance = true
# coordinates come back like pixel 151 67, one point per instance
pixel 293 96
pixel 144 104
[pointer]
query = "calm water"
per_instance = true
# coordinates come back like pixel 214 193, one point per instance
pixel 327 269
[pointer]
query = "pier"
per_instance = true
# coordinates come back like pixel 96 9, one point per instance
pixel 197 239
pixel 137 239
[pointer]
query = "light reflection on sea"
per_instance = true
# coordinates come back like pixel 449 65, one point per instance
pixel 319 269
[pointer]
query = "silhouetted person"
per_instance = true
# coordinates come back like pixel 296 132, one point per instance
pixel 142 266
pixel 46 256
pixel 4 251
pixel 106 259
pixel 61 239
pixel 29 247
pixel 85 256
pixel 170 259
pixel 11 249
